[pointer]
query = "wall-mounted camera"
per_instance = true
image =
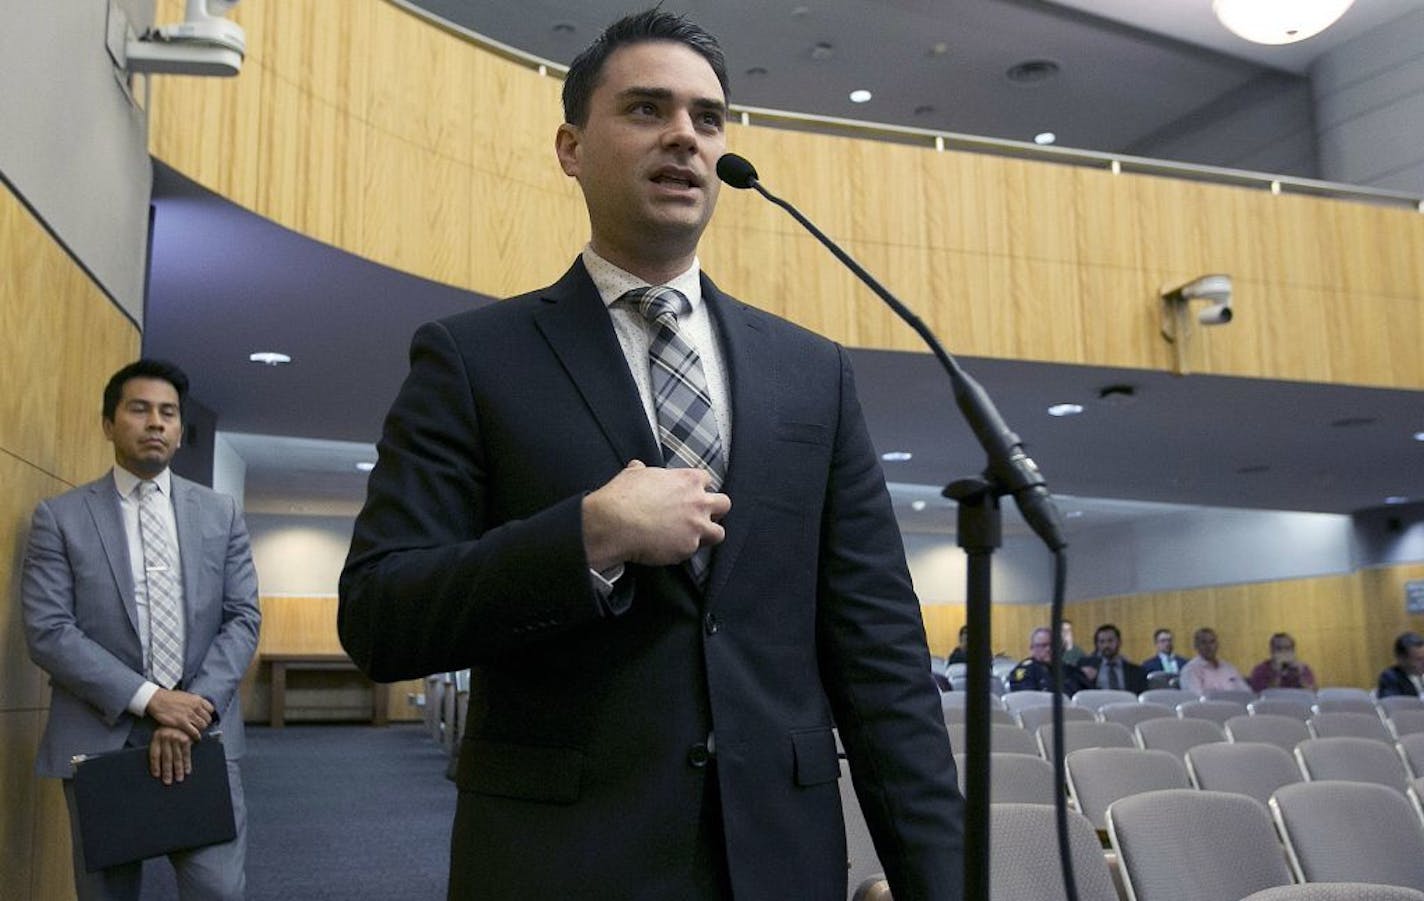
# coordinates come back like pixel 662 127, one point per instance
pixel 1213 290
pixel 204 43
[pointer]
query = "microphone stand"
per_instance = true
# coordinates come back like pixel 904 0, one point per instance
pixel 1009 471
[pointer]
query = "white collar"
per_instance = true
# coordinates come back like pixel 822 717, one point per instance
pixel 613 282
pixel 126 482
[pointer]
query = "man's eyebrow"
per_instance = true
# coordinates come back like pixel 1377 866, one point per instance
pixel 636 93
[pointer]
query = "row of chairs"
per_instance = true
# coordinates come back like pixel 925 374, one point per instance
pixel 445 701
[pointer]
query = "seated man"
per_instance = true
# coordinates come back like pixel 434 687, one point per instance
pixel 1107 668
pixel 1165 660
pixel 1205 672
pixel 961 653
pixel 1406 677
pixel 1281 670
pixel 1035 672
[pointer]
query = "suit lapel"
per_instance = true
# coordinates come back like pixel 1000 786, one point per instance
pixel 752 374
pixel 103 504
pixel 575 323
pixel 190 553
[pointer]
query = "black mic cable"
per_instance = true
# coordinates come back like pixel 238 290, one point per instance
pixel 1009 468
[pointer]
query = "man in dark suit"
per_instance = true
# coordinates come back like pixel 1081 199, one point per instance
pixel 1165 660
pixel 1406 677
pixel 140 601
pixel 655 530
pixel 1107 668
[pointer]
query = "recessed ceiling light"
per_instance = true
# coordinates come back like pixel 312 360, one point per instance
pixel 1045 137
pixel 1353 422
pixel 822 51
pixel 860 95
pixel 924 109
pixel 756 72
pixel 939 49
pixel 1032 71
pixel 1278 21
pixel 365 466
pixel 896 456
pixel 269 358
pixel 1117 395
pixel 1419 436
pixel 917 506
pixel 1396 499
pixel 1065 409
pixel 563 28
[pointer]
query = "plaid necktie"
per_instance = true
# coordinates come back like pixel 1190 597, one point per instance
pixel 165 598
pixel 687 427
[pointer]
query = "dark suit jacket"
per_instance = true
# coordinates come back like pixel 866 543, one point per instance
pixel 1395 681
pixel 1153 664
pixel 1134 677
pixel 581 772
pixel 81 621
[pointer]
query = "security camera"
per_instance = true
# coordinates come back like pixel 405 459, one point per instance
pixel 1216 314
pixel 204 43
pixel 1215 289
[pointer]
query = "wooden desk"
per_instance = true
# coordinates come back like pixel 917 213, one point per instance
pixel 284 663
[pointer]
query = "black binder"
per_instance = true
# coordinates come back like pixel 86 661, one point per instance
pixel 125 814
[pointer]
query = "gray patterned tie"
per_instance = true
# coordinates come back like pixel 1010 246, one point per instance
pixel 165 597
pixel 687 426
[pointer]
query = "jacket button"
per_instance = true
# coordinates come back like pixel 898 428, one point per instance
pixel 698 755
pixel 710 625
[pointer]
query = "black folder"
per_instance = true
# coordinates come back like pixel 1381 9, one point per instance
pixel 125 814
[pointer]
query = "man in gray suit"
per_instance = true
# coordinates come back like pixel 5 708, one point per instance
pixel 140 601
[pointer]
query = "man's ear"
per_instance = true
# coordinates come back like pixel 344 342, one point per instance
pixel 567 141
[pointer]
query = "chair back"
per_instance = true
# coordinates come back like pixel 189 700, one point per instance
pixel 1130 715
pixel 1346 705
pixel 1235 695
pixel 1002 739
pixel 1341 693
pixel 1411 751
pixel 1406 722
pixel 1216 711
pixel 948 699
pixel 1078 735
pixel 1169 696
pixel 958 675
pixel 1285 732
pixel 1015 701
pixel 1095 698
pixel 996 715
pixel 1176 737
pixel 1099 776
pixel 1002 666
pixel 1395 703
pixel 1030 718
pixel 1353 725
pixel 1281 707
pixel 861 860
pixel 1304 696
pixel 1336 891
pixel 1015 875
pixel 1351 760
pixel 1249 768
pixel 1199 844
pixel 1350 832
pixel 1013 778
pixel 1158 679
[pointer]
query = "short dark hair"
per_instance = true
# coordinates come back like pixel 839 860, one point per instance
pixel 1160 632
pixel 653 24
pixel 1407 641
pixel 1107 627
pixel 963 631
pixel 145 368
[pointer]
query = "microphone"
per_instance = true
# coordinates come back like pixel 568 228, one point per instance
pixel 1010 468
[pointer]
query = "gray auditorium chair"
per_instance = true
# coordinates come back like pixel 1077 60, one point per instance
pixel 861 860
pixel 1015 875
pixel 1406 722
pixel 1030 718
pixel 1235 696
pixel 1013 778
pixel 1350 832
pixel 1176 737
pixel 1337 891
pixel 1248 768
pixel 996 715
pixel 1396 703
pixel 1099 776
pixel 1095 698
pixel 1346 705
pixel 1416 796
pixel 1216 711
pixel 1283 731
pixel 958 675
pixel 1015 701
pixel 1185 844
pixel 1002 666
pixel 948 699
pixel 1411 750
pixel 1159 679
pixel 1168 696
pixel 1351 760
pixel 1281 707
pixel 1002 739
pixel 1078 735
pixel 1304 696
pixel 1350 725
pixel 1335 692
pixel 1130 715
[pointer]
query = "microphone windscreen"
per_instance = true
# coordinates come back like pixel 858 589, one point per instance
pixel 736 171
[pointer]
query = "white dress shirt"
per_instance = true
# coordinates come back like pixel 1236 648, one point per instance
pixel 126 483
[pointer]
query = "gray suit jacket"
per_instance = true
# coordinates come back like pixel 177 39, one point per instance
pixel 81 621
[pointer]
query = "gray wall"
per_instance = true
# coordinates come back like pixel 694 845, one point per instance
pixel 1369 96
pixel 72 146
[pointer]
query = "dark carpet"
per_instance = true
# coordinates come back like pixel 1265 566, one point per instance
pixel 343 812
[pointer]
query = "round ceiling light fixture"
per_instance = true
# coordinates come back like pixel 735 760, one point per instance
pixel 269 358
pixel 1279 21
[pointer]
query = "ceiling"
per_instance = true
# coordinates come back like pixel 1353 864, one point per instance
pixel 1196 440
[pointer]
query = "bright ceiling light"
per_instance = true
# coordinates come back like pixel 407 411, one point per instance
pixel 1419 436
pixel 1279 21
pixel 365 466
pixel 896 456
pixel 269 358
pixel 1045 137
pixel 860 95
pixel 917 506
pixel 1065 409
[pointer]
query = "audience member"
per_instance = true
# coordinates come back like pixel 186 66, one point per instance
pixel 961 653
pixel 1406 677
pixel 1165 660
pixel 1204 672
pixel 1107 668
pixel 1071 652
pixel 1281 670
pixel 1035 672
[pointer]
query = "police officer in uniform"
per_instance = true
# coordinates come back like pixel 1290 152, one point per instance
pixel 1035 672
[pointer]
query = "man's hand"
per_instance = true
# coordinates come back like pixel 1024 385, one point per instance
pixel 1090 673
pixel 653 516
pixel 187 712
pixel 170 755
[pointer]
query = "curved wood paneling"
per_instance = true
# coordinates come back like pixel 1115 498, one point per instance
pixel 363 126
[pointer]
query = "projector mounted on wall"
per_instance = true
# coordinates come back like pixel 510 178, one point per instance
pixel 204 43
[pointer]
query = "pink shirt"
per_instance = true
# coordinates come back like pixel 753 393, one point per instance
pixel 1200 677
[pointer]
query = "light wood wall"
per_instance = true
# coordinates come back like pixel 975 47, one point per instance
pixel 363 126
pixel 1344 626
pixel 307 625
pixel 61 338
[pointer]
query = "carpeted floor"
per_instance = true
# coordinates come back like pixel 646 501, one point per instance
pixel 353 813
